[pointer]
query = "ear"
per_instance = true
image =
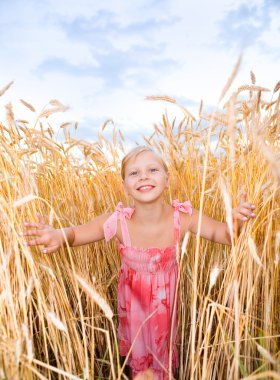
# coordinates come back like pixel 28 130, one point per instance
pixel 167 180
pixel 124 187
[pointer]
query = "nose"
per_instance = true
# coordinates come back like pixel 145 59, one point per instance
pixel 143 176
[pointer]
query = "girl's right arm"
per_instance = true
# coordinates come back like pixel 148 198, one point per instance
pixel 52 239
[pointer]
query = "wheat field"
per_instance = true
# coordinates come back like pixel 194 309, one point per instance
pixel 58 315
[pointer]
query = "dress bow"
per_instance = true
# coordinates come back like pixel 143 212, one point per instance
pixel 110 226
pixel 183 207
pixel 126 211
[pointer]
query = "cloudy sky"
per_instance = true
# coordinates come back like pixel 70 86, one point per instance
pixel 103 57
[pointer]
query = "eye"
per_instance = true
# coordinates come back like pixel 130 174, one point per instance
pixel 153 170
pixel 133 173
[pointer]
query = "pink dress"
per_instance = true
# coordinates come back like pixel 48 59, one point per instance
pixel 146 297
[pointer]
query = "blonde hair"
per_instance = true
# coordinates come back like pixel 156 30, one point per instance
pixel 135 152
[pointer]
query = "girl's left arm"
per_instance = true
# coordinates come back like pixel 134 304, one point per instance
pixel 218 232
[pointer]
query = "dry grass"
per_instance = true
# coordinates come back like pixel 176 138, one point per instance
pixel 50 324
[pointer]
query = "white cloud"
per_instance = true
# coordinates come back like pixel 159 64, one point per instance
pixel 271 36
pixel 103 58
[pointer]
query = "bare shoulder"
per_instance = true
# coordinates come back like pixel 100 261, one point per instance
pixel 188 221
pixel 98 221
pixel 101 219
pixel 91 231
pixel 169 209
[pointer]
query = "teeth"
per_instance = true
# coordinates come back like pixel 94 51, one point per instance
pixel 145 187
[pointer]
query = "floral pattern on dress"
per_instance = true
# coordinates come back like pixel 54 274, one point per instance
pixel 146 298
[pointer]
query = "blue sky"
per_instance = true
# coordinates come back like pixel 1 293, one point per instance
pixel 103 58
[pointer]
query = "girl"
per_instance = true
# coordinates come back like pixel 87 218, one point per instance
pixel 147 236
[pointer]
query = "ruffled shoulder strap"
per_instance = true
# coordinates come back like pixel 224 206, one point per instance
pixel 110 226
pixel 185 207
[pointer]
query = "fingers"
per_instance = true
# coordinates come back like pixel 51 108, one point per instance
pixel 244 217
pixel 33 242
pixel 243 197
pixel 40 234
pixel 50 249
pixel 47 246
pixel 37 237
pixel 31 225
pixel 35 232
pixel 41 218
pixel 45 249
pixel 247 205
pixel 246 212
pixel 34 225
pixel 41 223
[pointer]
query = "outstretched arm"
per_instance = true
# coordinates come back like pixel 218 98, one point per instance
pixel 52 239
pixel 218 232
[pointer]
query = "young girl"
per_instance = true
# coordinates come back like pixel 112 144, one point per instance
pixel 147 236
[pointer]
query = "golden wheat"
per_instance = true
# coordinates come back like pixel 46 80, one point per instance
pixel 229 296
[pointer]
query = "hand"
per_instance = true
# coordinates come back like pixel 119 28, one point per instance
pixel 42 234
pixel 244 211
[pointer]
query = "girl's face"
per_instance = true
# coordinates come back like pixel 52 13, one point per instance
pixel 145 178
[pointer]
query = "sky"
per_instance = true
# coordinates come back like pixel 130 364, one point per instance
pixel 102 58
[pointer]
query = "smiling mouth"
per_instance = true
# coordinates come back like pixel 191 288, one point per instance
pixel 145 188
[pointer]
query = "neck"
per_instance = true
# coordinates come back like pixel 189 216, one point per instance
pixel 149 212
